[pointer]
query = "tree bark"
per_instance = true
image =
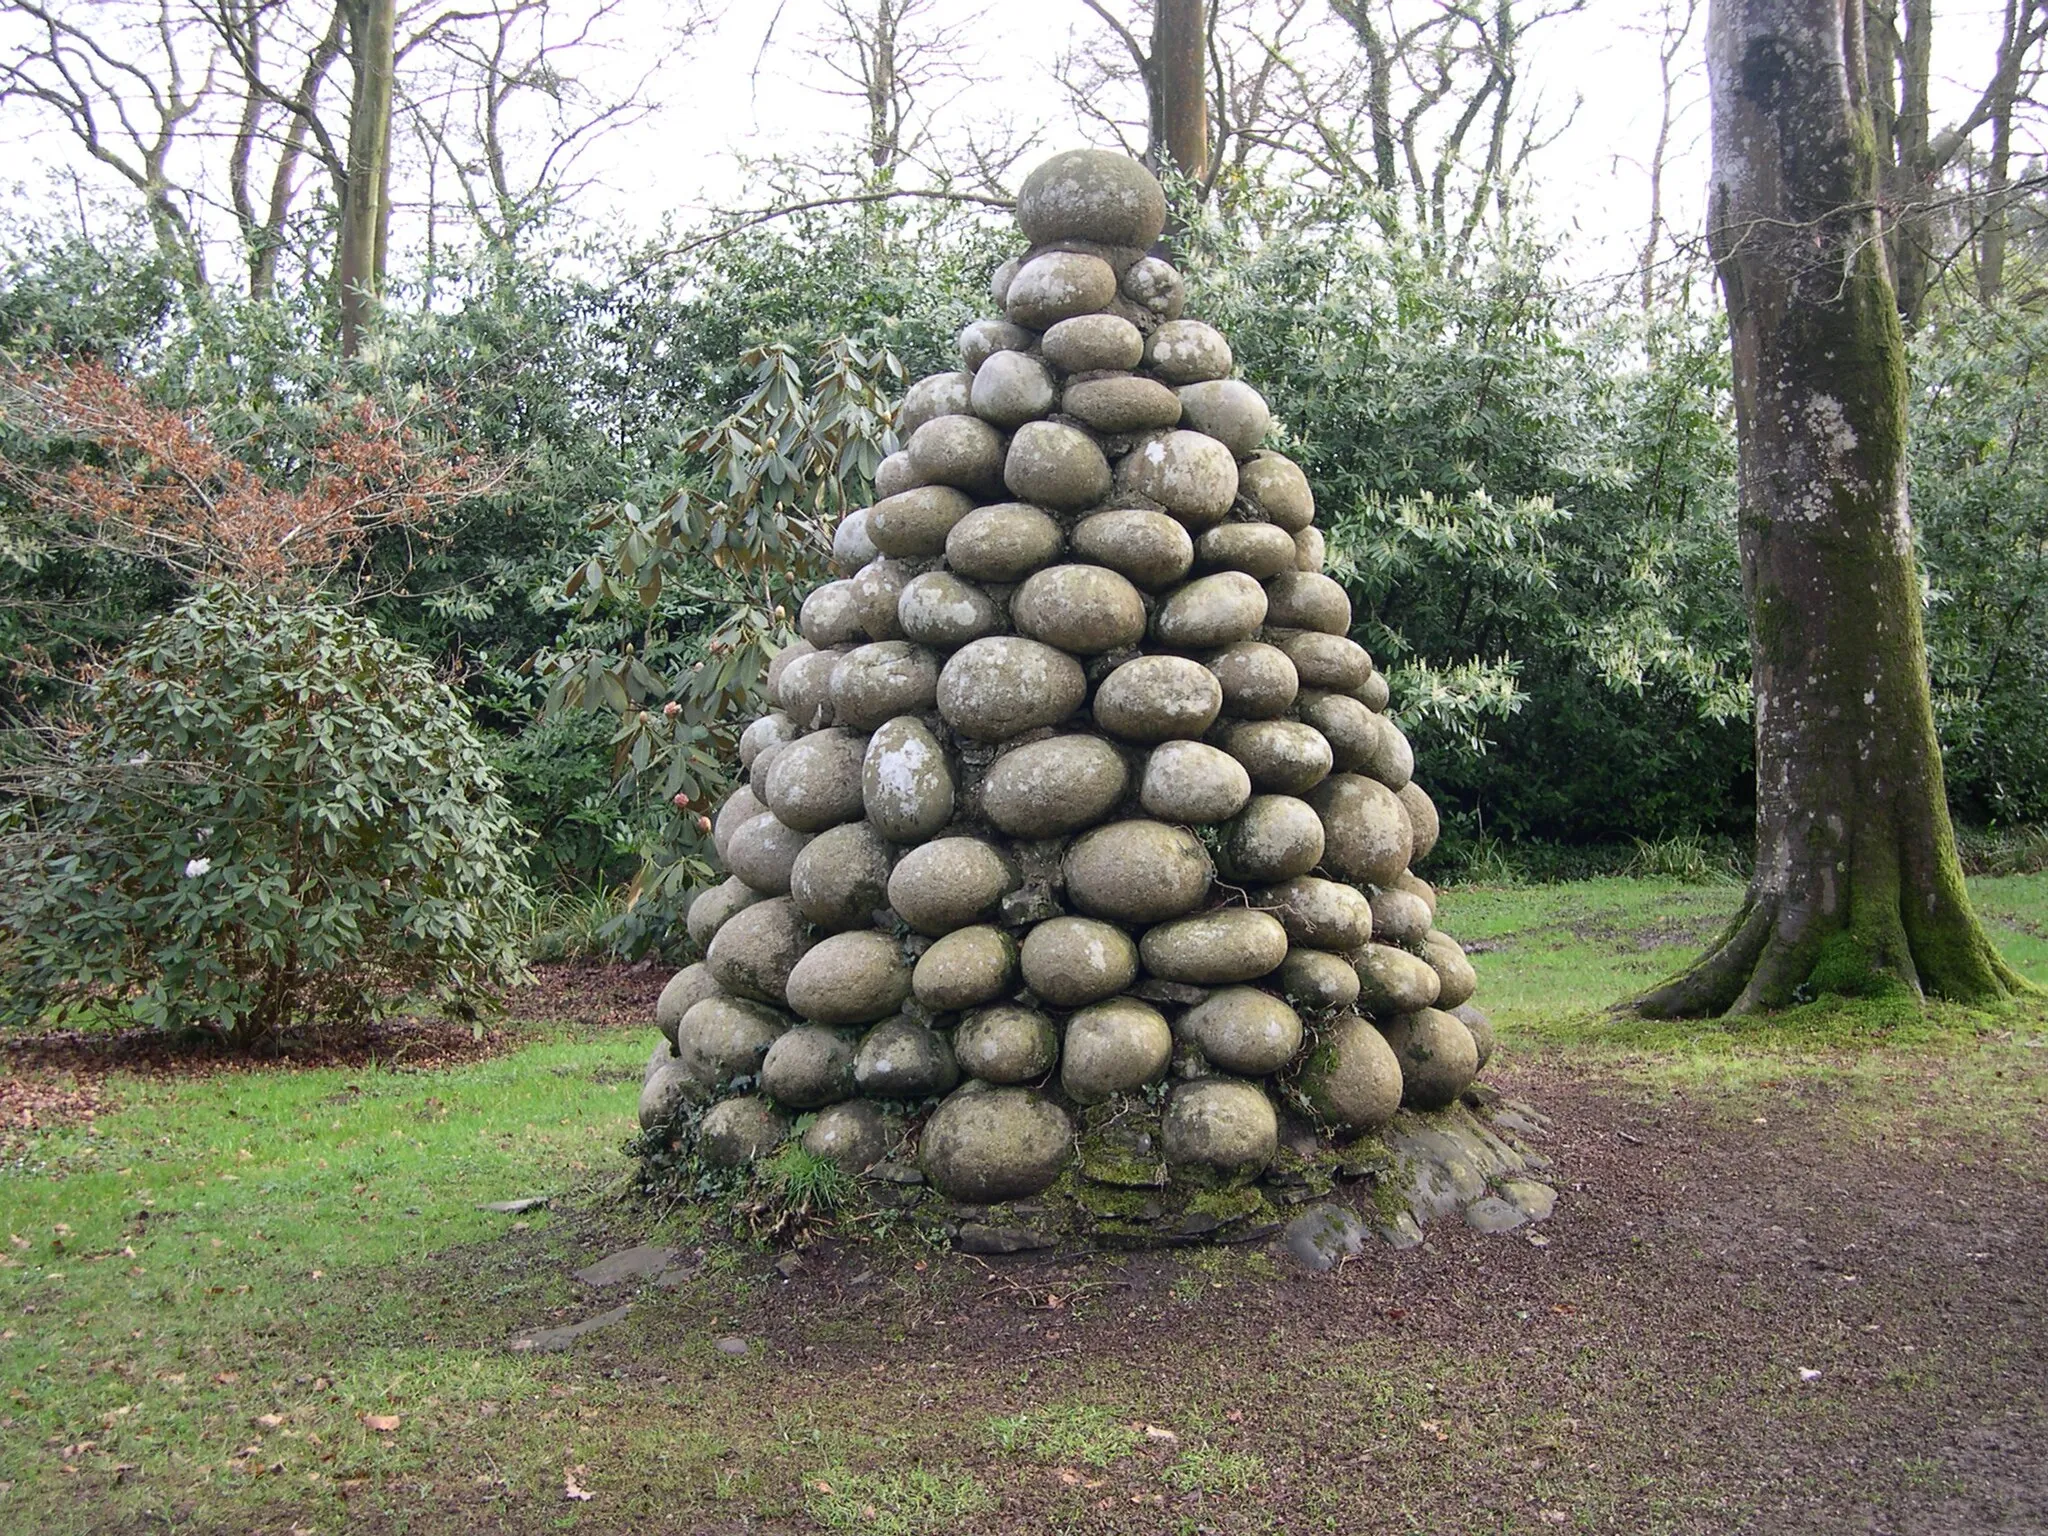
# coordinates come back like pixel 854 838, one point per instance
pixel 1857 887
pixel 358 267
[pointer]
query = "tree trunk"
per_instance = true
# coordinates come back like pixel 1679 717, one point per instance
pixel 1179 42
pixel 1857 886
pixel 358 267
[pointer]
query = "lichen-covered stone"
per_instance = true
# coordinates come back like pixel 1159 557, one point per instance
pixel 1366 836
pixel 1282 756
pixel 1258 549
pixel 850 978
pixel 1059 785
pixel 948 883
pixel 1423 825
pixel 853 1134
pixel 1392 981
pixel 940 610
pixel 762 855
pixel 1091 194
pixel 1137 872
pixel 1243 1030
pixel 1054 465
pixel 1011 388
pixel 1321 914
pixel 1352 1079
pixel 1215 948
pixel 1083 609
pixel 723 1038
pixel 1094 344
pixel 1190 781
pixel 1229 410
pixel 1190 474
pixel 1219 1128
pixel 830 616
pixel 757 948
pixel 1437 1055
pixel 1211 611
pixel 1275 837
pixel 1113 1047
pixel 1057 285
pixel 1122 403
pixel 877 682
pixel 688 987
pixel 735 1132
pixel 1259 682
pixel 815 781
pixel 1317 979
pixel 712 906
pixel 906 785
pixel 988 1145
pixel 1005 542
pixel 938 394
pixel 1275 487
pixel 964 969
pixel 1073 961
pixel 808 1068
pixel 1187 352
pixel 1148 548
pixel 1457 981
pixel 1158 698
pixel 1005 685
pixel 902 1059
pixel 913 525
pixel 1006 1043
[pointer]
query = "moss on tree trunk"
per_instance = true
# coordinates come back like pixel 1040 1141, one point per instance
pixel 1857 886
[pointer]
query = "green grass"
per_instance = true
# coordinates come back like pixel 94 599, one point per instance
pixel 216 1298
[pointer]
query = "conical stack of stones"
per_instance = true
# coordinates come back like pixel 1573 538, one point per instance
pixel 1077 808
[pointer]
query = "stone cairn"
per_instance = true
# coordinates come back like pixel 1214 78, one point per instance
pixel 1076 852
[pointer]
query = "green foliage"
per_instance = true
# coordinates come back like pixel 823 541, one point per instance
pixel 272 814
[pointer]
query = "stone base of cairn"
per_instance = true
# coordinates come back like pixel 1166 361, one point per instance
pixel 1070 886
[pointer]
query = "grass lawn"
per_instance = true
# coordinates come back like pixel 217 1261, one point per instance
pixel 265 1299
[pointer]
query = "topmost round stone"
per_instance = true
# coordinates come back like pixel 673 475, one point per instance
pixel 1091 194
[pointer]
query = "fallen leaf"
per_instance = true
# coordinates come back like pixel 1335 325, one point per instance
pixel 383 1423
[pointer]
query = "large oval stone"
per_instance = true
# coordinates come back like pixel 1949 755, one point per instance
pixel 1055 465
pixel 1149 548
pixel 1082 609
pixel 1055 786
pixel 850 978
pixel 1074 961
pixel 1137 871
pixel 988 1145
pixel 1158 698
pixel 940 610
pixel 1114 1047
pixel 906 786
pixel 1003 686
pixel 757 948
pixel 1212 948
pixel 1321 914
pixel 1352 1079
pixel 1190 474
pixel 874 683
pixel 1243 1030
pixel 1005 542
pixel 1212 611
pixel 1006 1043
pixel 1056 285
pixel 1259 682
pixel 1219 1129
pixel 1091 194
pixel 1275 837
pixel 1193 782
pixel 815 781
pixel 913 525
pixel 1437 1055
pixel 966 968
pixel 947 884
pixel 1366 836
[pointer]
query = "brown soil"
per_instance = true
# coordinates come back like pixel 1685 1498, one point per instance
pixel 1638 1365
